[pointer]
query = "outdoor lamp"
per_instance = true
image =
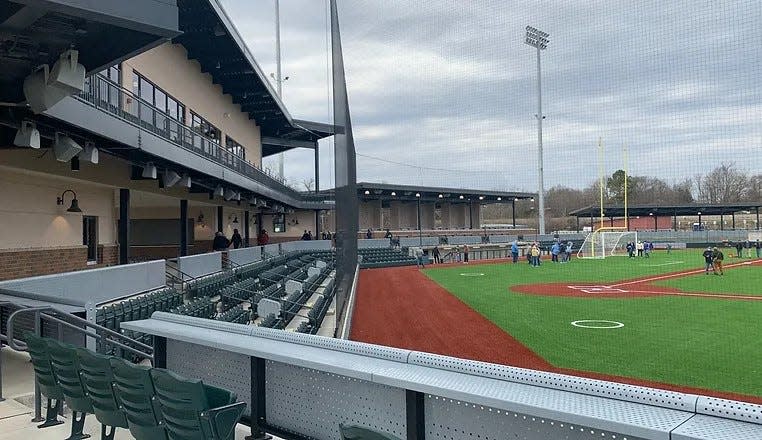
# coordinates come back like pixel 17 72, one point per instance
pixel 74 202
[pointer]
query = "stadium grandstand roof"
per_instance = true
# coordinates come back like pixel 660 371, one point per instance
pixel 211 38
pixel 671 210
pixel 388 191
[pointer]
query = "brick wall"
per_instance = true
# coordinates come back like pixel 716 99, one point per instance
pixel 108 255
pixel 21 263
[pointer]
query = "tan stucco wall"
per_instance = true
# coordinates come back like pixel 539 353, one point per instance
pixel 30 218
pixel 168 67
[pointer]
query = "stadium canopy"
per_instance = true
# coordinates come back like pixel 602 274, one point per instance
pixel 36 32
pixel 618 211
pixel 385 191
pixel 210 38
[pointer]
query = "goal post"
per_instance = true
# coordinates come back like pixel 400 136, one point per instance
pixel 606 242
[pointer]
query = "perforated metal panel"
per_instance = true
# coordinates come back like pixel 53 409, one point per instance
pixel 313 403
pixel 370 350
pixel 448 419
pixel 215 367
pixel 701 427
pixel 613 390
pixel 730 409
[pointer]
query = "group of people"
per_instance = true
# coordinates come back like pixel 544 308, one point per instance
pixel 640 248
pixel 713 258
pixel 222 243
pixel 458 255
pixel 748 246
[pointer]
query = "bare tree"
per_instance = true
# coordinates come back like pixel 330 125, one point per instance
pixel 309 184
pixel 724 184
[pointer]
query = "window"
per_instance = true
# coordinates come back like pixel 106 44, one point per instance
pixel 235 148
pixel 90 237
pixel 108 93
pixel 205 127
pixel 279 223
pixel 171 111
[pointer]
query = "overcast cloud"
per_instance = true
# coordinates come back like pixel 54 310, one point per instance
pixel 448 88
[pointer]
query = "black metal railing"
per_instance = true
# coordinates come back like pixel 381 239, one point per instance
pixel 110 97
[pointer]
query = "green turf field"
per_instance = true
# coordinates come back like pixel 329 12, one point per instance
pixel 690 341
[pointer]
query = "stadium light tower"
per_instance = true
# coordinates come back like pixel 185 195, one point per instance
pixel 279 78
pixel 539 40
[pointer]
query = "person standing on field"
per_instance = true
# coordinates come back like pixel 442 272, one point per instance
pixel 708 260
pixel 717 258
pixel 465 254
pixel 515 251
pixel 435 253
pixel 758 247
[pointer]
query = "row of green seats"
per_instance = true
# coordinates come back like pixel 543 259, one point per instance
pixel 153 403
pixel 199 307
pixel 236 315
pixel 138 308
pixel 210 285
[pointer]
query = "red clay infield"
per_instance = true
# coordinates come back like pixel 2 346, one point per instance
pixel 401 307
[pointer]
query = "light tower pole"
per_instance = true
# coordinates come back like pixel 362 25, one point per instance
pixel 539 40
pixel 278 78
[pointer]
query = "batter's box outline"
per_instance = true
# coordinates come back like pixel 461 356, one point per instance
pixel 597 289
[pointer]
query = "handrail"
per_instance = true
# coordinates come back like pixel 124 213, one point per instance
pixel 123 102
pixel 43 313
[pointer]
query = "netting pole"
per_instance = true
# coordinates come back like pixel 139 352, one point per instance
pixel 626 174
pixel 600 161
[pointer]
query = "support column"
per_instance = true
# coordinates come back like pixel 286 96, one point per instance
pixel 699 222
pixel 513 212
pixel 246 234
pixel 219 218
pixel 674 222
pixel 734 220
pixel 183 228
pixel 318 228
pixel 470 215
pixel 514 224
pixel 317 171
pixel 444 213
pixel 124 226
pixel 611 222
pixel 418 209
pixel 258 216
pixel 722 221
pixel 757 218
pixel 656 223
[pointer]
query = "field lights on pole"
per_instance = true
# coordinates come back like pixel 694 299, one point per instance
pixel 539 40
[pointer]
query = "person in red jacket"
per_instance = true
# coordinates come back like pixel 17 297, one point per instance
pixel 263 238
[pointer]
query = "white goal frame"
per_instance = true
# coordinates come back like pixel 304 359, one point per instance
pixel 606 242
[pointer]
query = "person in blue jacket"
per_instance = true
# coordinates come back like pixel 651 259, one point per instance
pixel 515 251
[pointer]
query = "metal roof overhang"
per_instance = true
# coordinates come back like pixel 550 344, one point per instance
pixel 664 210
pixel 382 191
pixel 211 38
pixel 36 32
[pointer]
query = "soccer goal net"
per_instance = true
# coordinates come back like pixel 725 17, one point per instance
pixel 606 243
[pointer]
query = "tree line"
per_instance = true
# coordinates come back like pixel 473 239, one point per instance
pixel 726 183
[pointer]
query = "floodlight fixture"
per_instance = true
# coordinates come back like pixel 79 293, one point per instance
pixel 367 193
pixel 418 194
pixel 149 171
pixel 536 38
pixel 394 193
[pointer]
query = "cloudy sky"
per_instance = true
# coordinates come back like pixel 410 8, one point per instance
pixel 443 92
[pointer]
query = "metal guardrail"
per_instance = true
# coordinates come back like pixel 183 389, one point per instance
pixel 110 97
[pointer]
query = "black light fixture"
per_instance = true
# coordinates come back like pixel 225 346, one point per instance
pixel 235 221
pixel 74 202
pixel 200 217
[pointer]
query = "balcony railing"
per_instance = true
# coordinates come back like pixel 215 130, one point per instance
pixel 107 96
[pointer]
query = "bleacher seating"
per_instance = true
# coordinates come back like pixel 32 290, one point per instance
pixel 236 314
pixel 271 321
pixel 199 307
pixel 153 403
pixel 385 257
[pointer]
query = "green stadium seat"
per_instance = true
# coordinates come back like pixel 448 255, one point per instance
pixel 195 411
pixel 46 380
pixel 98 380
pixel 65 363
pixel 136 394
pixel 353 432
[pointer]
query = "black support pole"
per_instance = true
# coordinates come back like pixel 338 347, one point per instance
pixel 734 220
pixel 470 215
pixel 219 218
pixel 124 225
pixel 611 221
pixel 513 212
pixel 656 223
pixel 318 229
pixel 757 218
pixel 674 222
pixel 722 221
pixel 259 400
pixel 317 168
pixel 577 224
pixel 420 236
pixel 416 422
pixel 246 236
pixel 159 352
pixel 183 228
pixel 259 223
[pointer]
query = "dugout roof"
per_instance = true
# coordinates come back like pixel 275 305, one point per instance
pixel 664 210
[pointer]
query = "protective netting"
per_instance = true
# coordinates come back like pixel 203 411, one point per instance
pixel 606 243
